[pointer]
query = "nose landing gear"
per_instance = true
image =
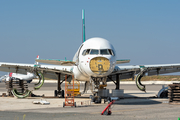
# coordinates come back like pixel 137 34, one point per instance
pixel 95 99
pixel 99 90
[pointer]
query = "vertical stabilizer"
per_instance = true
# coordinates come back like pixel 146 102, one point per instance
pixel 37 63
pixel 83 27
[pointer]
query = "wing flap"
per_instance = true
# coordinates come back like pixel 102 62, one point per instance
pixel 122 61
pixel 16 67
pixel 56 62
pixel 162 69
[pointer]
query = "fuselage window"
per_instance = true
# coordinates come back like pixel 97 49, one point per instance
pixel 94 51
pixel 104 52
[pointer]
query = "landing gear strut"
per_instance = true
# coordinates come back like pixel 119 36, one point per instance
pixel 59 92
pixel 97 98
pixel 116 82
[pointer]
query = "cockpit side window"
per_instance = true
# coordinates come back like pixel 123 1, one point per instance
pixel 83 53
pixel 94 51
pixel 104 52
pixel 111 52
pixel 86 52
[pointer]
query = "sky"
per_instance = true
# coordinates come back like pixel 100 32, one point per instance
pixel 146 32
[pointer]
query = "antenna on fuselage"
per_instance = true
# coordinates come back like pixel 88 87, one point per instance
pixel 83 27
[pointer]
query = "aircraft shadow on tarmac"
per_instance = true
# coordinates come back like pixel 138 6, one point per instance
pixel 134 100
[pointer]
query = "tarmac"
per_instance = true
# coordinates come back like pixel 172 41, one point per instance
pixel 136 105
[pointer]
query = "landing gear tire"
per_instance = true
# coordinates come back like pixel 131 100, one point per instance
pixel 74 104
pixel 105 101
pixel 63 104
pixel 108 99
pixel 97 99
pixel 55 93
pixel 62 93
pixel 92 98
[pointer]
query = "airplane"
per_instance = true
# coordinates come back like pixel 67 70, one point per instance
pixel 95 62
pixel 15 76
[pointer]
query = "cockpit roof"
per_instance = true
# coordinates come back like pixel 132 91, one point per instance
pixel 97 43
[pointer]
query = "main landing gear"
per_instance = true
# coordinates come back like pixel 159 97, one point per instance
pixel 59 92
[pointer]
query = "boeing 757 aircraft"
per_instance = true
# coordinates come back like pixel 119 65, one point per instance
pixel 94 62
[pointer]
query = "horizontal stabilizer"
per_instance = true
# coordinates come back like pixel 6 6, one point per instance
pixel 56 62
pixel 122 61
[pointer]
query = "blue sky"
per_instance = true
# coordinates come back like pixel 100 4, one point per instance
pixel 147 32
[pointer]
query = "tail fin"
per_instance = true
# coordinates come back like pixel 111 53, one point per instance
pixel 83 27
pixel 10 74
pixel 37 63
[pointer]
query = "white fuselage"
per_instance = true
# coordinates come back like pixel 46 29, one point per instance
pixel 96 57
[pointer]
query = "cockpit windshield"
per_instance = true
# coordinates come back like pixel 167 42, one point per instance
pixel 104 52
pixel 97 52
pixel 94 51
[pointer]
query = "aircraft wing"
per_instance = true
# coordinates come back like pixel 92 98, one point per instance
pixel 149 69
pixel 161 69
pixel 126 72
pixel 56 62
pixel 49 71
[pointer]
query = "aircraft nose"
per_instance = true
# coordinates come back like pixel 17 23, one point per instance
pixel 99 65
